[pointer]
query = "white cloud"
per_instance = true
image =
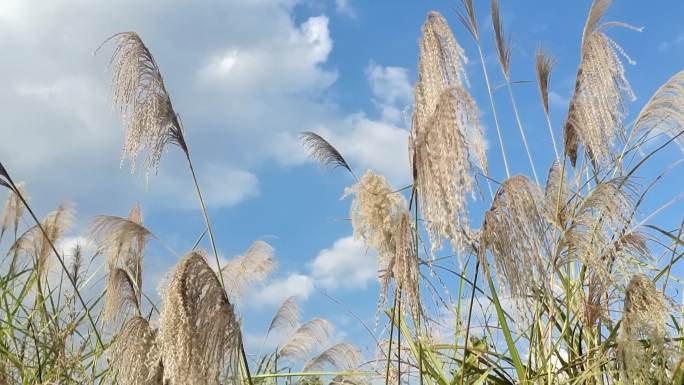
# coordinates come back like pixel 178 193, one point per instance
pixel 242 74
pixel 222 186
pixel 286 63
pixel 274 293
pixel 345 265
pixel 392 90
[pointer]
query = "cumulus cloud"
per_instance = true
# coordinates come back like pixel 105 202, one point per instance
pixel 242 74
pixel 392 89
pixel 277 291
pixel 346 264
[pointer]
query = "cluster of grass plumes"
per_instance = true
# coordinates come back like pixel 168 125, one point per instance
pixel 52 333
pixel 565 281
pixel 573 291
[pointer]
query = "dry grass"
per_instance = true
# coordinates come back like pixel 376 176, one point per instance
pixel 563 282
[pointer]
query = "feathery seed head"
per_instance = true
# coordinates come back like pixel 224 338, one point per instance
pixel 34 243
pixel 644 317
pixel 544 64
pixel 342 356
pixel 446 140
pixel 664 112
pixel 198 328
pixel 135 354
pixel 310 335
pixel 514 230
pixel 287 315
pixel 598 105
pixel 140 94
pixel 373 210
pixel 13 210
pixel 253 266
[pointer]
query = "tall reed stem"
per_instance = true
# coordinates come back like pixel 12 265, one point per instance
pixel 218 262
pixel 553 137
pixel 520 127
pixel 491 102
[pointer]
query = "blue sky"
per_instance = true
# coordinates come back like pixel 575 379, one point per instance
pixel 246 77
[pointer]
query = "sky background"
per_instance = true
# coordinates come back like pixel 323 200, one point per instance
pixel 247 76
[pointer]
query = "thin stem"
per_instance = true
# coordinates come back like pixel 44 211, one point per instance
pixel 520 127
pixel 470 313
pixel 491 102
pixel 389 349
pixel 553 137
pixel 218 262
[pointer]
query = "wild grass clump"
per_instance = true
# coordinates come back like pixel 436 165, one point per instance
pixel 558 281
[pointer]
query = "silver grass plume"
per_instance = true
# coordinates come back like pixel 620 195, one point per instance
pixel 468 18
pixel 596 234
pixel 644 316
pixel 122 240
pixel 373 210
pixel 287 315
pixel 544 64
pixel 443 168
pixel 556 196
pixel 140 94
pixel 598 104
pixel 305 339
pixel 503 45
pixel 34 244
pixel 76 265
pixel 515 232
pixel 253 266
pixel 135 354
pixel 198 329
pixel 401 266
pixel 121 297
pixel 446 141
pixel 342 356
pixel 13 210
pixel 664 112
pixel 322 151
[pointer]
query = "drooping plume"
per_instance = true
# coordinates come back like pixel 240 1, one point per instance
pixel 514 231
pixel 342 356
pixel 13 210
pixel 446 144
pixel 664 112
pixel 373 210
pixel 305 339
pixel 401 266
pixel 198 328
pixel 139 93
pixel 287 315
pixel 644 318
pixel 121 297
pixel 253 266
pixel 597 230
pixel 122 241
pixel 322 151
pixel 598 104
pixel 135 355
pixel 36 245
